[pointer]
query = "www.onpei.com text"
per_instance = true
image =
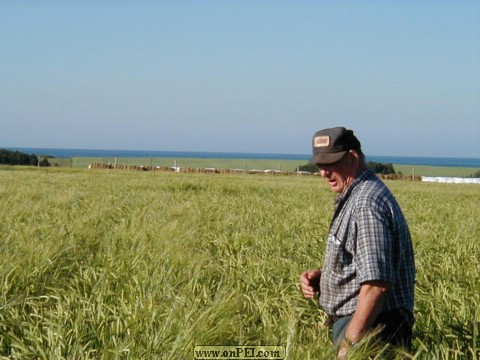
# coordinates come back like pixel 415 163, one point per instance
pixel 210 352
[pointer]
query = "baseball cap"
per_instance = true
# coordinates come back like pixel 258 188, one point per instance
pixel 330 145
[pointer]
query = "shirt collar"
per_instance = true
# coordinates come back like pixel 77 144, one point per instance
pixel 341 198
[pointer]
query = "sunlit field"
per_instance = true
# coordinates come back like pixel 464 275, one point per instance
pixel 249 164
pixel 100 264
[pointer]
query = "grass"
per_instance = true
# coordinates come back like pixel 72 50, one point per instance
pixel 139 265
pixel 446 171
pixel 250 164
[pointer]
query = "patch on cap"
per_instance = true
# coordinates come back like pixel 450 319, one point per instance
pixel 321 141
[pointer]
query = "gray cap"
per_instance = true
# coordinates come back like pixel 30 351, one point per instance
pixel 330 145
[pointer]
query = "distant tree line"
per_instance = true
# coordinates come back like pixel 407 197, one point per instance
pixel 8 157
pixel 475 175
pixel 378 168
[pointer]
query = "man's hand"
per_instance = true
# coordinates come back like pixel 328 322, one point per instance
pixel 310 282
pixel 342 353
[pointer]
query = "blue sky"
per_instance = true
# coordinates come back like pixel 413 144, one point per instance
pixel 241 76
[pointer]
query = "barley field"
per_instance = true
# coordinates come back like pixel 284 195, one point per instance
pixel 100 264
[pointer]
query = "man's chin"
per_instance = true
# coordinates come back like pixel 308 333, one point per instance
pixel 335 186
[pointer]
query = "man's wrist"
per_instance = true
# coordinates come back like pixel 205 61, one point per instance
pixel 349 344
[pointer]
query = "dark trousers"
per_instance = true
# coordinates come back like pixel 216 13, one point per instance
pixel 395 330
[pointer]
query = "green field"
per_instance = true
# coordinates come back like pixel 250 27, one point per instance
pixel 447 171
pixel 146 265
pixel 250 164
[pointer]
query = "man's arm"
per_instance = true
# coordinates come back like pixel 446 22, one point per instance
pixel 370 304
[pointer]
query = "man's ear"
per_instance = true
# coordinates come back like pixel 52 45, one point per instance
pixel 354 158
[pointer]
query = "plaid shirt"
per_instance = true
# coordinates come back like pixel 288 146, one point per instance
pixel 368 240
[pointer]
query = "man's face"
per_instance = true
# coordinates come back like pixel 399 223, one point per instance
pixel 338 175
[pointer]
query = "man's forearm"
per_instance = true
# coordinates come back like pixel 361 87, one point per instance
pixel 370 305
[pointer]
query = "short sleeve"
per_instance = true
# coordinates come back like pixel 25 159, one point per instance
pixel 374 248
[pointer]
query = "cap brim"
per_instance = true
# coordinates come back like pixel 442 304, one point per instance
pixel 326 158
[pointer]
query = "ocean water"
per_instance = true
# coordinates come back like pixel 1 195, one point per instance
pixel 402 160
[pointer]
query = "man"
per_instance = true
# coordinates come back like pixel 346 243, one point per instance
pixel 368 275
